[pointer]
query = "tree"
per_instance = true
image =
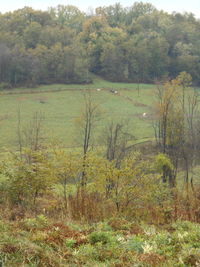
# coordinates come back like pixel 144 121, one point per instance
pixel 165 166
pixel 177 114
pixel 27 180
pixel 31 35
pixel 133 175
pixel 92 38
pixel 113 55
pixel 169 123
pixel 86 123
pixel 116 138
pixel 140 9
pixel 189 104
pixel 30 136
pixel 68 15
pixel 67 167
pixel 147 57
pixel 5 58
pixel 114 14
pixel 51 35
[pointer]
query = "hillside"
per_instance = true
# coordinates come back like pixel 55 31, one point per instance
pixel 123 44
pixel 62 104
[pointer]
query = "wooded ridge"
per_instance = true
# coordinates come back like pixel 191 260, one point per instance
pixel 64 45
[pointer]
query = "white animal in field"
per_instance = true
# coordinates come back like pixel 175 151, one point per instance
pixel 116 92
pixel 144 115
pixel 98 90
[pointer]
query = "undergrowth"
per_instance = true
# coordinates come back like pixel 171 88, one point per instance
pixel 41 242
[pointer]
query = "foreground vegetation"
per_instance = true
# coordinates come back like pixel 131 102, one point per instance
pixel 117 242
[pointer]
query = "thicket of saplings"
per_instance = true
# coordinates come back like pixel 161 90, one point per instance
pixel 155 183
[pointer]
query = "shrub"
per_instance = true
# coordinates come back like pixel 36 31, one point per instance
pixel 4 86
pixel 69 243
pixel 135 243
pixel 185 226
pixel 103 226
pixel 103 237
pixel 39 222
pixel 86 252
pixel 119 224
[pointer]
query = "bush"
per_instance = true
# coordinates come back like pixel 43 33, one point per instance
pixel 102 237
pixel 135 243
pixel 119 224
pixel 4 86
pixel 69 243
pixel 86 252
pixel 103 226
pixel 39 222
pixel 185 226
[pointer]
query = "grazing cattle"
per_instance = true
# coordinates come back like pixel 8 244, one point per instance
pixel 114 91
pixel 144 114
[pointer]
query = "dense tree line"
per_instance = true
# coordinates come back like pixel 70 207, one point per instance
pixel 63 45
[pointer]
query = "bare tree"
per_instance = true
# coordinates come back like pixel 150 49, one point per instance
pixel 19 131
pixel 31 135
pixel 116 138
pixel 87 123
pixel 5 57
pixel 175 126
pixel 168 125
pixel 165 98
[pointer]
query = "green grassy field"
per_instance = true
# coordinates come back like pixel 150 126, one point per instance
pixel 62 104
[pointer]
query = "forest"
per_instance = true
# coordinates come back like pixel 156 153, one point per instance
pixel 100 133
pixel 64 45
